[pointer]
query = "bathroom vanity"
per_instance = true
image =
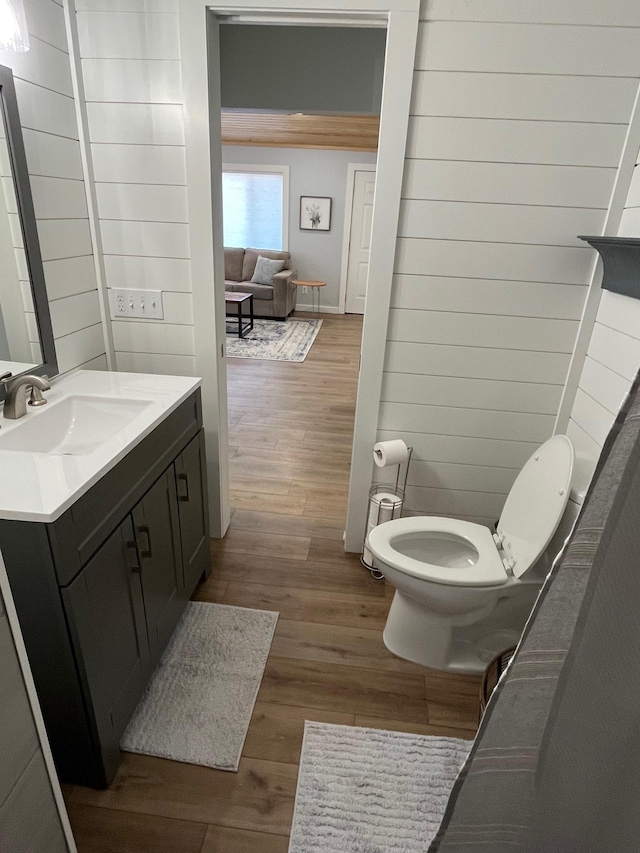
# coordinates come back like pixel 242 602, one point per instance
pixel 103 499
pixel 104 532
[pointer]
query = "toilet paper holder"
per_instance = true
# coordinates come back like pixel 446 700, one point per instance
pixel 386 501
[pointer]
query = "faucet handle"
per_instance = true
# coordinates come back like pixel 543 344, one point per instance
pixel 5 376
pixel 36 398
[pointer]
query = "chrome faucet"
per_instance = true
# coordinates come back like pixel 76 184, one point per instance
pixel 15 401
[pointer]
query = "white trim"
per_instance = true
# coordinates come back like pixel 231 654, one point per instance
pixel 402 36
pixel 21 651
pixel 77 82
pixel 271 170
pixel 269 19
pixel 204 165
pixel 352 168
pixel 611 225
pixel 324 309
pixel 199 33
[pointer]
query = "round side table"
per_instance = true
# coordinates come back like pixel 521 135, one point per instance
pixel 315 288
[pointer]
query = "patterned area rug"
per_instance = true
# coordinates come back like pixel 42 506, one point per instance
pixel 372 791
pixel 198 706
pixel 274 340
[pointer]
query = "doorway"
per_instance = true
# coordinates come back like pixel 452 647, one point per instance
pixel 291 411
pixel 199 32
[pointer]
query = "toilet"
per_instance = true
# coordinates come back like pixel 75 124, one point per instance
pixel 463 593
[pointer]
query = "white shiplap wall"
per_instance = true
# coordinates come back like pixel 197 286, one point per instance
pixel 519 114
pixel 612 360
pixel 47 114
pixel 132 78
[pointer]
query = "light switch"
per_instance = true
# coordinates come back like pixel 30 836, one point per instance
pixel 136 303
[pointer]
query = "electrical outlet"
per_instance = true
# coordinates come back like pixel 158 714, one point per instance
pixel 305 290
pixel 136 303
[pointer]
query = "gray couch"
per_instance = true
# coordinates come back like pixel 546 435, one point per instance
pixel 276 300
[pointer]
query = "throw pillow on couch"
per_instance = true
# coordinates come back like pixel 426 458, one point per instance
pixel 265 270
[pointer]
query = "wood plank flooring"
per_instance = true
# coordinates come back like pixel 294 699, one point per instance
pixel 290 435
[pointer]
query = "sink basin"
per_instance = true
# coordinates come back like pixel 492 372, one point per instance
pixel 75 426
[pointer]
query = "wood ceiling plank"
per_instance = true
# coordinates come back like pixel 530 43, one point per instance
pixel 329 132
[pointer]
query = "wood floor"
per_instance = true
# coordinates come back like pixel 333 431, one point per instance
pixel 290 434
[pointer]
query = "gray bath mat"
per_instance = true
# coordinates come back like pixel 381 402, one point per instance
pixel 198 706
pixel 371 791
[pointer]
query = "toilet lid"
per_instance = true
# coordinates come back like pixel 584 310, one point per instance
pixel 536 503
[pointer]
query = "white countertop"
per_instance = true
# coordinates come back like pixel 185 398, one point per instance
pixel 41 486
pixel 15 367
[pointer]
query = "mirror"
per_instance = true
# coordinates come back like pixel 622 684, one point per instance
pixel 26 337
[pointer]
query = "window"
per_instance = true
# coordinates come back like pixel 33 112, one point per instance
pixel 255 206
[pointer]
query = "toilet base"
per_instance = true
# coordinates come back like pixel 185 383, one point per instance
pixel 410 634
pixel 413 634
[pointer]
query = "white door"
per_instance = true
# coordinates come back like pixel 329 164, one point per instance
pixel 359 241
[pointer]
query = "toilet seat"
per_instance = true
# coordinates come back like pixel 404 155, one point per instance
pixel 488 570
pixel 530 517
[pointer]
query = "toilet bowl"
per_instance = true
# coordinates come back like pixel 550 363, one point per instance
pixel 463 593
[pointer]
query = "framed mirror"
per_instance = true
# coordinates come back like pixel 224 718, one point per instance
pixel 26 336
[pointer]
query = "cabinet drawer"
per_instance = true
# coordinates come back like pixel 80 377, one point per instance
pixel 80 531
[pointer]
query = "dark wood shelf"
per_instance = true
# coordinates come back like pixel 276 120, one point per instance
pixel 621 263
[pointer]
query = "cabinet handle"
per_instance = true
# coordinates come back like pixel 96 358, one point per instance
pixel 131 556
pixel 183 495
pixel 143 530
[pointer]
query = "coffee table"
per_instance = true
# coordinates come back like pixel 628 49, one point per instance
pixel 315 288
pixel 239 299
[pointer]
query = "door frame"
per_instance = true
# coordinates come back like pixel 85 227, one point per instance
pixel 352 168
pixel 199 37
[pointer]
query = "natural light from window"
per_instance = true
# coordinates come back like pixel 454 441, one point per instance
pixel 253 209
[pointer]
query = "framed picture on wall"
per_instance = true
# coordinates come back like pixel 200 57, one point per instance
pixel 315 213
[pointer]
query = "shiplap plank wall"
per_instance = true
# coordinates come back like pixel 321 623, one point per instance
pixel 519 114
pixel 131 70
pixel 47 113
pixel 28 812
pixel 612 360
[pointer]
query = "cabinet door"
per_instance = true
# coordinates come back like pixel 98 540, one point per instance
pixel 106 617
pixel 157 535
pixel 191 479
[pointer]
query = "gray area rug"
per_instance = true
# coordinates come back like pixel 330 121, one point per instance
pixel 198 705
pixel 371 791
pixel 274 340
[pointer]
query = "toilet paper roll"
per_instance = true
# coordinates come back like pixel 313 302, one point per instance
pixel 394 452
pixel 383 507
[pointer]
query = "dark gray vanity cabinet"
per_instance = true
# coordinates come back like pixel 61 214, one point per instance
pixel 100 590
